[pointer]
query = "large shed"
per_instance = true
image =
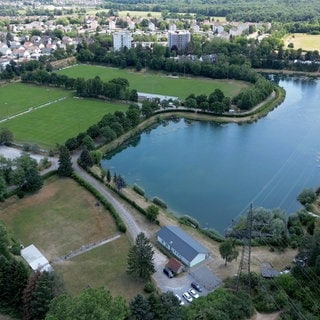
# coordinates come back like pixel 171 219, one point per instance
pixel 182 245
pixel 35 259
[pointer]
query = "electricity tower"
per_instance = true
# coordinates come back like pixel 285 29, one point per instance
pixel 245 262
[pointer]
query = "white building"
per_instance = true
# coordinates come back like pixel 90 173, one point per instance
pixel 122 39
pixel 35 259
pixel 178 39
pixel 182 245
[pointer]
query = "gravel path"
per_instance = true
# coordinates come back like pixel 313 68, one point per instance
pixel 85 248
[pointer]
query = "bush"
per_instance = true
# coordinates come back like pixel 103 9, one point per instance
pixel 159 202
pixel 307 196
pixel 149 287
pixel 189 221
pixel 138 190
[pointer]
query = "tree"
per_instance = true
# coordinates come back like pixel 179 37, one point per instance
pixel 94 304
pixel 228 251
pixel 3 188
pixel 306 196
pixel 4 240
pixel 85 160
pixel 167 307
pixel 152 212
pixel 140 258
pixel 65 164
pixel 6 136
pixel 33 180
pixel 88 143
pixel 140 308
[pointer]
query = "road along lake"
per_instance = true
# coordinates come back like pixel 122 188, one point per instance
pixel 213 172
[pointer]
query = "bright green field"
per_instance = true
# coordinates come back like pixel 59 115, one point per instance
pixel 158 83
pixel 19 97
pixel 59 121
pixel 139 14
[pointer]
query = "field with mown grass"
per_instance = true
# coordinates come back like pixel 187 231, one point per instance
pixel 19 97
pixel 58 121
pixel 62 217
pixel 158 83
pixel 307 42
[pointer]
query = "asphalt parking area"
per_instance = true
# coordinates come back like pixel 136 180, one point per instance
pixel 182 283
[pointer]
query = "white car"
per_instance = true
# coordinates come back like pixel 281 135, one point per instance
pixel 193 293
pixel 187 296
pixel 181 303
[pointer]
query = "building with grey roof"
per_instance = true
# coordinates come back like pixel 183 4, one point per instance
pixel 182 245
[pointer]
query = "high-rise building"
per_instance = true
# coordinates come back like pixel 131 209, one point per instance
pixel 122 39
pixel 178 39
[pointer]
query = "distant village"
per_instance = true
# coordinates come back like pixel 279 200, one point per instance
pixel 19 42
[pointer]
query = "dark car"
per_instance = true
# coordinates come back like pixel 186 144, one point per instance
pixel 168 272
pixel 196 286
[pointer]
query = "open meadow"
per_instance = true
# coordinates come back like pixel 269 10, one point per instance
pixel 306 42
pixel 57 121
pixel 139 14
pixel 158 83
pixel 63 217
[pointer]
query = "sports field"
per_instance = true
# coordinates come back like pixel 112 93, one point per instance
pixel 139 14
pixel 19 97
pixel 307 42
pixel 158 83
pixel 57 121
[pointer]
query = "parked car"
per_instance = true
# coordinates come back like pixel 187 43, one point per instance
pixel 193 293
pixel 168 272
pixel 187 296
pixel 181 303
pixel 196 286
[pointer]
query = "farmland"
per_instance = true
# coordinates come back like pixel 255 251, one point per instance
pixel 158 83
pixel 304 41
pixel 56 122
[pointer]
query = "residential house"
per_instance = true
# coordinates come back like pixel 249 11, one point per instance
pixel 182 245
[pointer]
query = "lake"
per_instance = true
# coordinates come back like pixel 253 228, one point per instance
pixel 213 172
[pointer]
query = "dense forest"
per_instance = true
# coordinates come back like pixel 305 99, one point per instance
pixel 247 10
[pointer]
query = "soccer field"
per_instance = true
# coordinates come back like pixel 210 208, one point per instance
pixel 57 121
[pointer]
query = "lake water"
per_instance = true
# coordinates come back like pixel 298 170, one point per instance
pixel 213 172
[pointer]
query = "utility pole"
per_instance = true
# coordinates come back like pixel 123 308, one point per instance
pixel 245 262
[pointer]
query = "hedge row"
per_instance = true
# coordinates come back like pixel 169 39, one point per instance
pixel 120 224
pixel 119 193
pixel 138 190
pixel 159 202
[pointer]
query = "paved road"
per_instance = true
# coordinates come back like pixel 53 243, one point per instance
pixel 132 227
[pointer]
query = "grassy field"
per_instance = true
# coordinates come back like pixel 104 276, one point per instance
pixel 304 41
pixel 62 217
pixel 19 97
pixel 139 14
pixel 104 265
pixel 58 121
pixel 158 82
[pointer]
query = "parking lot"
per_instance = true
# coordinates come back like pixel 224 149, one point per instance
pixel 182 282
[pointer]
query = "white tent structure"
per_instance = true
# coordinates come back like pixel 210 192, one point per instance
pixel 35 259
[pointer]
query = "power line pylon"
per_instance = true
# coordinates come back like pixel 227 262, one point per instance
pixel 245 262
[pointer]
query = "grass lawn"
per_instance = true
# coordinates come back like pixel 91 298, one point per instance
pixel 59 218
pixel 103 266
pixel 59 121
pixel 304 41
pixel 62 217
pixel 158 82
pixel 19 97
